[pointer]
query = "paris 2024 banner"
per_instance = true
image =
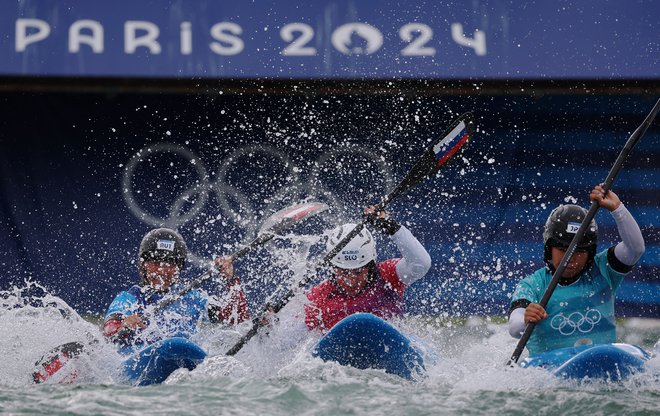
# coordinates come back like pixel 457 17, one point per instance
pixel 331 39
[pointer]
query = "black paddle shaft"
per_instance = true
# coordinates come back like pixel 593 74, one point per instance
pixel 199 280
pixel 264 237
pixel 426 166
pixel 616 168
pixel 261 320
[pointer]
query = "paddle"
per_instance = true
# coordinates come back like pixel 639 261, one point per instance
pixel 54 360
pixel 623 155
pixel 277 223
pixel 434 158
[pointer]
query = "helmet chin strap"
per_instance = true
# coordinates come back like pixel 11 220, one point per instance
pixel 371 275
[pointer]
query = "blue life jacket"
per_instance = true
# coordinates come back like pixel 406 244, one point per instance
pixel 179 319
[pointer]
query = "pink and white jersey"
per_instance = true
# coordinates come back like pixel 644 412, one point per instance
pixel 328 304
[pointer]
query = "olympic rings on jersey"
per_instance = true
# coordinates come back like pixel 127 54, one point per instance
pixel 576 321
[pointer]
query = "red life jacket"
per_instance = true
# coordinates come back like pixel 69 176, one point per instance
pixel 328 304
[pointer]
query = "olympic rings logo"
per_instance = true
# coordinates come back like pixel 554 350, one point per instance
pixel 576 321
pixel 284 182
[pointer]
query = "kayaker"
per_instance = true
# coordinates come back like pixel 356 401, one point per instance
pixel 161 259
pixel 581 309
pixel 361 284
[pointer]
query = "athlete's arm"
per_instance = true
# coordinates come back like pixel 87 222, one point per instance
pixel 631 247
pixel 415 261
pixel 121 329
pixel 121 321
pixel 517 322
pixel 523 312
pixel 232 309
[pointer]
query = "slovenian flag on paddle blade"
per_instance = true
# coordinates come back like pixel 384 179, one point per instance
pixel 456 137
pixel 452 140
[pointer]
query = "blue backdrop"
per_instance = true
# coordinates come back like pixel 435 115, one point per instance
pixel 477 39
pixel 85 175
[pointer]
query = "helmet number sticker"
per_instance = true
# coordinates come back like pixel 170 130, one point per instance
pixel 350 254
pixel 165 245
pixel 572 227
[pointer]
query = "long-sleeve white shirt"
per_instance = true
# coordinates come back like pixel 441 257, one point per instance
pixel 415 260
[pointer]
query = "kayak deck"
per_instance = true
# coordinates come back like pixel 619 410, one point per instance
pixel 365 341
pixel 155 363
pixel 614 362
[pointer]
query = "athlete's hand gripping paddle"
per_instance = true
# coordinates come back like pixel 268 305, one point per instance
pixel 433 159
pixel 276 224
pixel 279 222
pixel 623 155
pixel 430 163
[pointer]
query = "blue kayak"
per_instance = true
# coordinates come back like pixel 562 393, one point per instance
pixel 365 341
pixel 153 364
pixel 614 362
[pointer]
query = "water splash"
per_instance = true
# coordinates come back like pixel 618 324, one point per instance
pixel 471 352
pixel 34 322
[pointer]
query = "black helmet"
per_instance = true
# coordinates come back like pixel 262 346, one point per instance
pixel 163 244
pixel 560 228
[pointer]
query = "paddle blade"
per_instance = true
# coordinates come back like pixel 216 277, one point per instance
pixel 288 217
pixel 453 139
pixel 53 366
pixel 451 142
pixel 279 222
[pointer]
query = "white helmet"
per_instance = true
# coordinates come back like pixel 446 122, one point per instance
pixel 358 252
